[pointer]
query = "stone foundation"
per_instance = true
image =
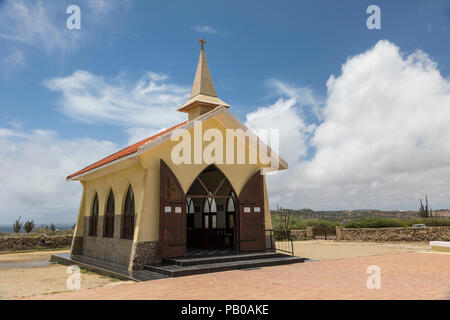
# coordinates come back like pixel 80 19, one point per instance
pixel 109 249
pixel 298 235
pixel 143 253
pixel 77 246
pixel 113 249
pixel 309 233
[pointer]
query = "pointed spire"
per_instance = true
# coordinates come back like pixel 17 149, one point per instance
pixel 203 95
pixel 203 83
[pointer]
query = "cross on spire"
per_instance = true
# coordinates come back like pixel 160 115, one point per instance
pixel 203 42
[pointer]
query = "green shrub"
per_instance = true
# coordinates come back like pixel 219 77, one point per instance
pixel 322 223
pixel 376 223
pixel 432 222
pixel 396 223
pixel 299 224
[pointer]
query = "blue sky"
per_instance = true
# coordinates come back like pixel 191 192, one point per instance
pixel 262 54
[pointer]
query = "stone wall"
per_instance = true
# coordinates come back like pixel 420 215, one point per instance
pixel 34 242
pixel 298 235
pixel 393 234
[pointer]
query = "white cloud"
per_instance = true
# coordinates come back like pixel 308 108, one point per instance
pixel 148 103
pixel 136 134
pixel 33 171
pixel 14 61
pixel 383 139
pixel 284 116
pixel 35 24
pixel 205 29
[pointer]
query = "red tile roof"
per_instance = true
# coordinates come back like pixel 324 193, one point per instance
pixel 124 152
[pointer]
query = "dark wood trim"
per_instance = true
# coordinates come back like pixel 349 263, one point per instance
pixel 172 225
pixel 203 185
pixel 220 185
pixel 204 197
pixel 252 226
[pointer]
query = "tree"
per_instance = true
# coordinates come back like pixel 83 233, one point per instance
pixel 425 211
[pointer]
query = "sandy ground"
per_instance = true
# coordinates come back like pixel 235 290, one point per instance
pixel 16 282
pixel 407 275
pixel 325 250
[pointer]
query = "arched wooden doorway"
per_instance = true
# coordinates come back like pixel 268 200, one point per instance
pixel 210 215
pixel 211 206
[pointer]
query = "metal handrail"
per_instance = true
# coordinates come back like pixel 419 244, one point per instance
pixel 281 241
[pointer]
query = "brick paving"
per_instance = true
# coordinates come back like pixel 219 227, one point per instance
pixel 403 276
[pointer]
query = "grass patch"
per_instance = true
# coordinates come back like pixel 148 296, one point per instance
pixel 299 224
pixel 110 278
pixel 87 271
pixel 90 272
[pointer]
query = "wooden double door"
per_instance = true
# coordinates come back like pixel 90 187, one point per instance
pixel 249 223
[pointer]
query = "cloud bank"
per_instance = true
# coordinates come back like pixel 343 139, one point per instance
pixel 32 174
pixel 142 107
pixel 382 141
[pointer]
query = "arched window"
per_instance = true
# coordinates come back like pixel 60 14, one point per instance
pixel 231 211
pixel 231 207
pixel 209 213
pixel 190 205
pixel 94 217
pixel 109 216
pixel 128 215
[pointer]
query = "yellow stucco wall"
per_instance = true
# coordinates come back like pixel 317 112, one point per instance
pixel 118 182
pixel 79 227
pixel 144 178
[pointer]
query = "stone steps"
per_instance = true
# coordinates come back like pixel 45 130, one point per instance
pixel 107 268
pixel 173 270
pixel 190 261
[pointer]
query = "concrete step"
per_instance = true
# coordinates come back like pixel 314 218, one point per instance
pixel 172 270
pixel 191 261
pixel 107 268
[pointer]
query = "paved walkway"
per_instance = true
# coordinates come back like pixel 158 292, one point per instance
pixel 403 276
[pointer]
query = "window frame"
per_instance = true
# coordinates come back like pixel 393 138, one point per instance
pixel 108 230
pixel 129 214
pixel 93 219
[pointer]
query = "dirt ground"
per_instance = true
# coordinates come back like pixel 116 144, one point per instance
pixel 325 250
pixel 27 274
